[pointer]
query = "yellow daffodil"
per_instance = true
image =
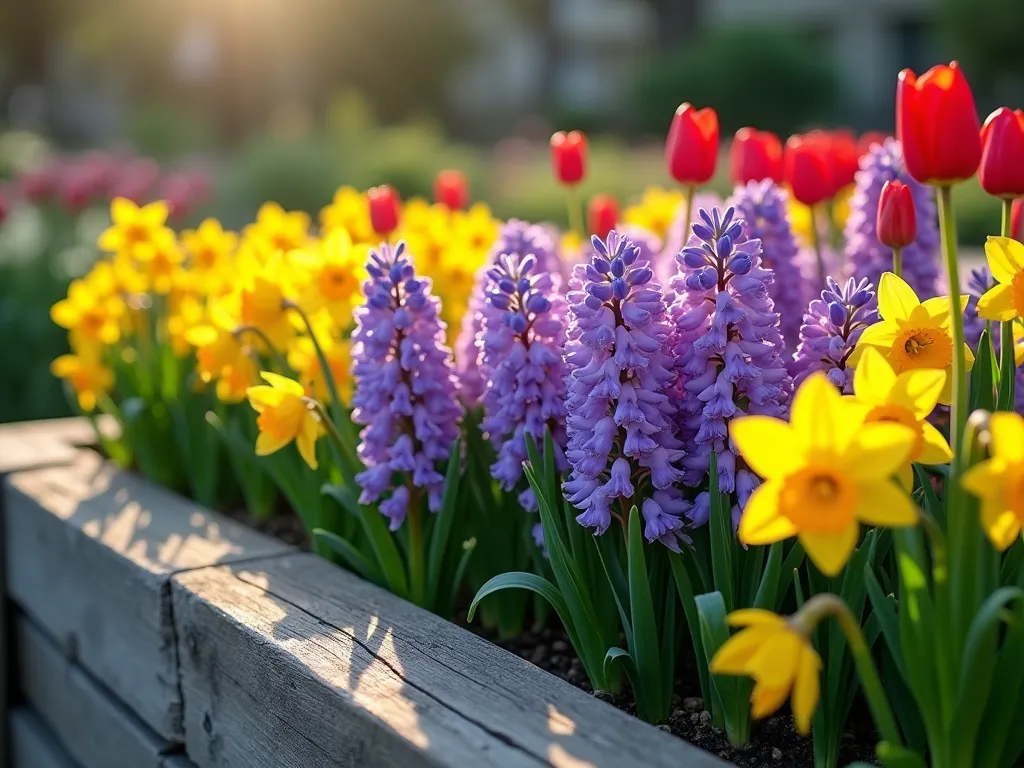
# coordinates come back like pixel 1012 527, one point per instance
pixel 999 480
pixel 780 659
pixel 87 375
pixel 656 211
pixel 303 359
pixel 263 302
pixel 913 334
pixel 160 262
pixel 209 249
pixel 908 399
pixel 284 415
pixel 336 270
pixel 350 211
pixel 825 472
pixel 133 226
pixel 1005 300
pixel 90 316
pixel 476 229
pixel 283 230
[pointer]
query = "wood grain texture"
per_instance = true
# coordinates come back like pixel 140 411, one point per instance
pixel 32 745
pixel 295 663
pixel 90 552
pixel 32 444
pixel 96 730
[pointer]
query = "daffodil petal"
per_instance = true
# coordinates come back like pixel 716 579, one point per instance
pixel 765 700
pixel 896 299
pixel 936 309
pixel 821 418
pixel 761 522
pixel 873 377
pixel 935 449
pixel 749 617
pixel 283 383
pixel 1005 258
pixel 997 303
pixel 123 210
pixel 829 551
pixel 885 503
pixel 918 391
pixel 732 658
pixel 775 662
pixel 984 479
pixel 262 396
pixel 267 444
pixel 1001 526
pixel 881 334
pixel 64 366
pixel 768 445
pixel 806 690
pixel 878 450
pixel 154 214
pixel 905 477
pixel 1007 430
pixel 306 441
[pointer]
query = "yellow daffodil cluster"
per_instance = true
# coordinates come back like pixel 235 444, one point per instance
pixel 239 300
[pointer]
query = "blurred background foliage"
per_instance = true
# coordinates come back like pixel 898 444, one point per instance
pixel 287 99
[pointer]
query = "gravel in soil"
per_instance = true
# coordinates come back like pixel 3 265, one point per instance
pixel 774 741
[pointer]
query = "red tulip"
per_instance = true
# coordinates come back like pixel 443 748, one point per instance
pixel 451 189
pixel 869 139
pixel 602 215
pixel 385 208
pixel 691 148
pixel 1002 157
pixel 844 159
pixel 1017 220
pixel 806 170
pixel 569 156
pixel 896 222
pixel 755 155
pixel 937 124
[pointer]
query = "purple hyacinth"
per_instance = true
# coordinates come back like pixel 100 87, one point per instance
pixel 522 341
pixel 622 446
pixel 832 326
pixel 762 208
pixel 405 386
pixel 868 257
pixel 728 350
pixel 515 237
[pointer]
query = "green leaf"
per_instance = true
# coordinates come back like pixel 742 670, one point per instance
pixel 982 392
pixel 722 539
pixel 534 583
pixel 893 756
pixel 768 590
pixel 885 612
pixel 616 654
pixel 443 523
pixel 389 561
pixel 733 692
pixel 651 704
pixel 1007 367
pixel 617 581
pixel 684 587
pixel 1002 708
pixel 353 558
pixel 468 548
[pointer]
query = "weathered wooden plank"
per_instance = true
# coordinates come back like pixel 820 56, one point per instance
pixel 293 662
pixel 32 745
pixel 90 551
pixel 32 444
pixel 97 730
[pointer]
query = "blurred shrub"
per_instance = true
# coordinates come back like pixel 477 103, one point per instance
pixel 165 132
pixel 770 78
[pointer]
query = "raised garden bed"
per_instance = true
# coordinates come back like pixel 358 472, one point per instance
pixel 146 631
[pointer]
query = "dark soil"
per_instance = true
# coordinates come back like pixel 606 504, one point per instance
pixel 774 741
pixel 285 526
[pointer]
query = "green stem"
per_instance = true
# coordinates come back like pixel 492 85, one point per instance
pixel 897 262
pixel 958 407
pixel 417 563
pixel 816 242
pixel 575 203
pixel 688 212
pixel 820 606
pixel 275 355
pixel 1007 363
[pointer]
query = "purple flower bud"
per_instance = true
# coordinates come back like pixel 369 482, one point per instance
pixel 538 303
pixel 740 265
pixel 694 258
pixel 837 313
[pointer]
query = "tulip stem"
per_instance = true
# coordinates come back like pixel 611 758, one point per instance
pixel 575 202
pixel 958 406
pixel 816 242
pixel 688 212
pixel 807 618
pixel 897 262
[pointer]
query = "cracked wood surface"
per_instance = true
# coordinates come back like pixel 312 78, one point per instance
pixel 293 662
pixel 90 551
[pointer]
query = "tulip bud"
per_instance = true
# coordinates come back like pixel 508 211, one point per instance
pixel 691 148
pixel 1002 157
pixel 754 156
pixel 451 189
pixel 602 215
pixel 937 124
pixel 896 223
pixel 385 209
pixel 806 171
pixel 1017 220
pixel 569 156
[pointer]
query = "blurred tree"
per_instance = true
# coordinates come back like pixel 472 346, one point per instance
pixel 678 20
pixel 988 37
